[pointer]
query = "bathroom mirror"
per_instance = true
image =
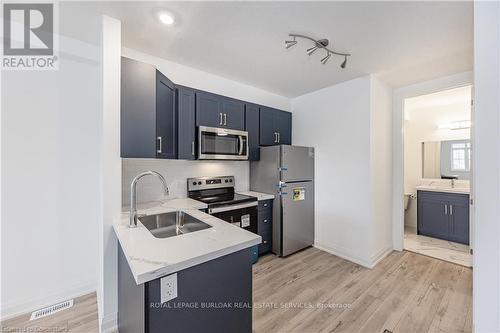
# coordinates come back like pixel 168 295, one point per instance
pixel 449 159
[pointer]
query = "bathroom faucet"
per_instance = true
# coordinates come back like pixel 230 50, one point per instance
pixel 133 194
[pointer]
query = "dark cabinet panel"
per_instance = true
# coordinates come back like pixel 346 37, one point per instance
pixel 208 110
pixel 459 218
pixel 275 127
pixel 138 109
pixel 443 215
pixel 433 219
pixel 252 127
pixel 264 227
pixel 283 125
pixel 218 111
pixel 166 123
pixel 267 130
pixel 233 113
pixel 186 123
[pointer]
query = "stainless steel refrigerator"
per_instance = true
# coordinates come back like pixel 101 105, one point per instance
pixel 288 173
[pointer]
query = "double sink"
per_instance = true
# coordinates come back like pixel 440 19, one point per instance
pixel 172 224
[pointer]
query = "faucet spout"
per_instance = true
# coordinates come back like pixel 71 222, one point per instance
pixel 133 194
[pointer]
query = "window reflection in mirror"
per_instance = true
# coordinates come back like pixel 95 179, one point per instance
pixel 449 159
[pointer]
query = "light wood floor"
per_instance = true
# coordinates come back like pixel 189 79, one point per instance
pixel 313 291
pixel 82 318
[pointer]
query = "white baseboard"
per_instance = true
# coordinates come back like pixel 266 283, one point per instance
pixel 343 253
pixel 109 323
pixel 17 308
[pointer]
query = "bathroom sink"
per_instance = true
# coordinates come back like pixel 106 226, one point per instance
pixel 172 224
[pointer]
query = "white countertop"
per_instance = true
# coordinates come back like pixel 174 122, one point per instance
pixel 150 258
pixel 459 190
pixel 259 195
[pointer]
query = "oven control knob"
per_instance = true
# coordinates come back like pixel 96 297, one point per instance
pixel 199 183
pixel 226 181
pixel 230 180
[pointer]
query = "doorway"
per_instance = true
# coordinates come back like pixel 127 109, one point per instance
pixel 437 162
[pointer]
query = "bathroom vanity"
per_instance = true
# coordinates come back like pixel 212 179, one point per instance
pixel 443 213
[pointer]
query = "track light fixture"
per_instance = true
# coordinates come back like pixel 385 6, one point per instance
pixel 318 44
pixel 325 59
pixel 290 43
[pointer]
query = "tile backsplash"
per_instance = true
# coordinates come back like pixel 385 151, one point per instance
pixel 176 173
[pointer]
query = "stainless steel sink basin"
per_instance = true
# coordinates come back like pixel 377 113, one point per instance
pixel 172 224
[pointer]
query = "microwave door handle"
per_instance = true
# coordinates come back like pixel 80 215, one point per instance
pixel 240 140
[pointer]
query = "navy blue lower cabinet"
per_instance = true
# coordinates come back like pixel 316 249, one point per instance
pixel 265 226
pixel 443 215
pixel 215 296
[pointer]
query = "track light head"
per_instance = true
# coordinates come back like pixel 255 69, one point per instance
pixel 311 50
pixel 342 65
pixel 325 59
pixel 290 43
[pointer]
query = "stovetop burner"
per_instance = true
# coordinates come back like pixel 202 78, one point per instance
pixel 216 191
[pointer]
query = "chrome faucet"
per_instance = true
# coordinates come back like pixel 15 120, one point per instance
pixel 133 194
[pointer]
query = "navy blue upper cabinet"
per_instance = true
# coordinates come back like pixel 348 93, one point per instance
pixel 166 123
pixel 275 127
pixel 443 215
pixel 138 109
pixel 219 111
pixel 252 127
pixel 186 99
pixel 148 121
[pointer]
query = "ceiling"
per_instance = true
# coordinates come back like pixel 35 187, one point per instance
pixel 402 42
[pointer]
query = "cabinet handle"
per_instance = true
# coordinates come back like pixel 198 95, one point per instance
pixel 265 221
pixel 225 119
pixel 159 147
pixel 192 148
pixel 275 137
pixel 451 209
pixel 265 205
pixel 265 242
pixel 445 209
pixel 220 118
pixel 279 139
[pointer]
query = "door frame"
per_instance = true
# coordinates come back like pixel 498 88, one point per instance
pixel 399 96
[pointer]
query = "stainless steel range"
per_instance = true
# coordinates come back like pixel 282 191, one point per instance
pixel 218 193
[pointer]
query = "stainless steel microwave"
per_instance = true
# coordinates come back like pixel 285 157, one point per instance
pixel 222 144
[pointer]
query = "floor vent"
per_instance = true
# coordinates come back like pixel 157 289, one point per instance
pixel 51 309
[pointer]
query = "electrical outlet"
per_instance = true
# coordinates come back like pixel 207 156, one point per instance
pixel 168 287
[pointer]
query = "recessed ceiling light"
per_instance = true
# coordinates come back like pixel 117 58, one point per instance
pixel 166 18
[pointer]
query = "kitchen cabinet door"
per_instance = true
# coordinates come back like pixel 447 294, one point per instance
pixel 208 110
pixel 138 109
pixel 186 123
pixel 166 123
pixel 252 127
pixel 233 113
pixel 283 126
pixel 432 215
pixel 267 128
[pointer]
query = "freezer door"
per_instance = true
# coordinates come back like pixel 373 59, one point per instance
pixel 297 223
pixel 297 163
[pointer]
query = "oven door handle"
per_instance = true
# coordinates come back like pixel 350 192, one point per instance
pixel 232 207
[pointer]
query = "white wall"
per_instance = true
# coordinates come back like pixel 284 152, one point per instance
pixel 381 167
pixel 421 125
pixel 198 79
pixel 50 174
pixel 486 167
pixel 176 173
pixel 111 172
pixel 337 121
